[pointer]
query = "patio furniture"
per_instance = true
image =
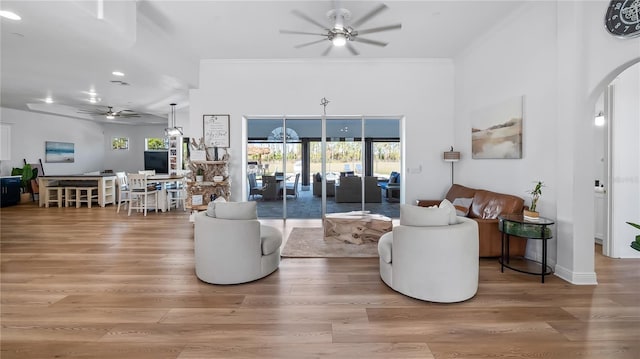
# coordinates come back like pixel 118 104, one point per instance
pixel 350 190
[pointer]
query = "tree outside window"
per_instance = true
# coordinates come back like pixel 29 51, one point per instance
pixel 155 144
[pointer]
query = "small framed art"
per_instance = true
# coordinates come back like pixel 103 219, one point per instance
pixel 120 143
pixel 215 129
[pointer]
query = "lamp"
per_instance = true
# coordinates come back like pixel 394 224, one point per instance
pixel 451 156
pixel 599 120
pixel 173 130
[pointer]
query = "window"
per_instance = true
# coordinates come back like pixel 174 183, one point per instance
pixel 386 158
pixel 151 144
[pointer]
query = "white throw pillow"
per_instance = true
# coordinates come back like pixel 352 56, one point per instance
pixel 423 216
pixel 211 207
pixel 462 206
pixel 236 210
pixel 445 204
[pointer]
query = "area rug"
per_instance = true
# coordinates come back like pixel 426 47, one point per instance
pixel 310 242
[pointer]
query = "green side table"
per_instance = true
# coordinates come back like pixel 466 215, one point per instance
pixel 516 225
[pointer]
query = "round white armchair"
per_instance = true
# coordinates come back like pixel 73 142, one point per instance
pixel 431 260
pixel 231 246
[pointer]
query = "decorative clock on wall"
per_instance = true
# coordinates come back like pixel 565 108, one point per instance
pixel 623 18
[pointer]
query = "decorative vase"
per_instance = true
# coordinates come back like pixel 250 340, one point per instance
pixel 530 215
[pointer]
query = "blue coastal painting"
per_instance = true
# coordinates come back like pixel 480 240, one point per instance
pixel 59 152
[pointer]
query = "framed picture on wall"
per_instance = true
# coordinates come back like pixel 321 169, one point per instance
pixel 496 131
pixel 59 152
pixel 215 129
pixel 120 143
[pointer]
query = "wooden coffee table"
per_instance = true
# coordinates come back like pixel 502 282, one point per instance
pixel 356 227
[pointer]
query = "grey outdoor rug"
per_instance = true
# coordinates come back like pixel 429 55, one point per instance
pixel 310 242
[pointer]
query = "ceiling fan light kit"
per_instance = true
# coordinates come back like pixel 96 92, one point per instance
pixel 341 34
pixel 110 114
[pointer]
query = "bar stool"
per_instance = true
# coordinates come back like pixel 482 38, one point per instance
pixel 86 195
pixel 69 196
pixel 54 195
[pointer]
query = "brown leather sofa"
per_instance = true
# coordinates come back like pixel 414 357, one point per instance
pixel 485 209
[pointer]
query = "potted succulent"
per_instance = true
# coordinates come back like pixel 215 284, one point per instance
pixel 199 175
pixel 535 194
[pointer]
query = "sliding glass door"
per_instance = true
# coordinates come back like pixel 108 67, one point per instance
pixel 293 173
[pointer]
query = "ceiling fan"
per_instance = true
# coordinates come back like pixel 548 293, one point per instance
pixel 343 31
pixel 109 113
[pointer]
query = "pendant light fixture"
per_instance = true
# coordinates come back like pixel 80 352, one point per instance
pixel 173 130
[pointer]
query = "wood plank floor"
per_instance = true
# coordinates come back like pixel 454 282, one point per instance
pixel 90 283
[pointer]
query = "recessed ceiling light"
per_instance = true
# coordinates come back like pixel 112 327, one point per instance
pixel 48 100
pixel 117 73
pixel 9 15
pixel 92 100
pixel 92 93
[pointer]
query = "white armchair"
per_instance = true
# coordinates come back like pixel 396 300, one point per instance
pixel 431 259
pixel 231 246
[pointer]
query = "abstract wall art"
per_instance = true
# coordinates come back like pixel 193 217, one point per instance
pixel 496 131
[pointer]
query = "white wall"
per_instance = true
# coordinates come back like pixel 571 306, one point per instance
pixel 130 160
pixel 551 52
pixel 30 130
pixel 517 58
pixel 421 90
pixel 92 142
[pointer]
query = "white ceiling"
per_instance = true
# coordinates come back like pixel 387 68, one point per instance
pixel 61 49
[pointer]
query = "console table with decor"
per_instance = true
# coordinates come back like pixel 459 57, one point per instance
pixel 517 225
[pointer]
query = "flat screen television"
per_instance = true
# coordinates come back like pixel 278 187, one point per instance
pixel 156 160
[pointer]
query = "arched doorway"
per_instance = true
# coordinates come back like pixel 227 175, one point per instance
pixel 618 97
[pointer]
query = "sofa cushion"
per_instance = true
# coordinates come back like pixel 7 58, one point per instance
pixel 385 245
pixel 270 239
pixel 211 207
pixel 452 210
pixel 488 205
pixel 423 216
pixel 458 191
pixel 236 210
pixel 394 177
pixel 462 206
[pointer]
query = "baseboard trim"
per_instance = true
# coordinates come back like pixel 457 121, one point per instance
pixel 585 278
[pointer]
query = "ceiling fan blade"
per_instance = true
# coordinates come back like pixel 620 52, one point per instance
pixel 309 43
pixel 300 32
pixel 326 52
pixel 305 17
pixel 369 15
pixel 352 49
pixel 379 29
pixel 370 42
